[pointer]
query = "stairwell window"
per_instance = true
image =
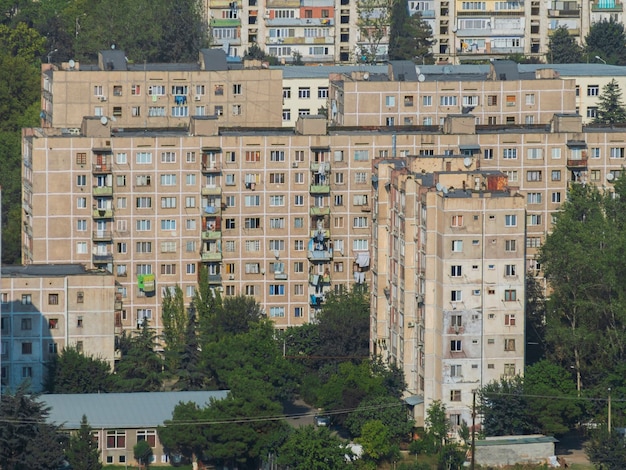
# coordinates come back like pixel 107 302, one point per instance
pixel 510 295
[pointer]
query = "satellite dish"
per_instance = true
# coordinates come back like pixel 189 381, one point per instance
pixel 366 76
pixel 439 186
pixel 610 176
pixel 445 190
pixel 421 77
pixel 467 161
pixel 104 120
pixel 72 64
pixel 417 70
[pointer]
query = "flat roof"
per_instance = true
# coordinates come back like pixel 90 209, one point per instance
pixel 122 410
pixel 49 270
pixel 515 440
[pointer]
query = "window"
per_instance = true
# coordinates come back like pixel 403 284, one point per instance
pixel 339 199
pixel 456 221
pixel 190 224
pixel 26 324
pixel 143 247
pixel 53 299
pixel 250 222
pixel 322 92
pixel 277 245
pixel 510 270
pixel 455 395
pixel 277 200
pixel 390 101
pixel 277 289
pixel 304 92
pixel 237 89
pixel 509 154
pixel 81 180
pixel 509 370
pixel 360 222
pixel 509 344
pixel 456 296
pixel 277 156
pixel 121 247
pixel 510 220
pixel 286 93
pixel 488 154
pixel 511 100
pixel 448 100
pixel 148 435
pixel 236 110
pixel 168 202
pixel 456 345
pixel 253 245
pixel 361 155
pixel 81 248
pixel 286 115
pixel 360 177
pixel 556 175
pixel 277 312
pixel 298 200
pixel 252 201
pixel 533 219
pixel 168 180
pixel 456 271
pixel 556 196
pixel 616 152
pixel 510 245
pixel 427 100
pixel 509 319
pixel 190 268
pixel 298 222
pixel 533 198
pixel 456 370
pixel 116 439
pixel 358 245
pixel 593 90
pixel 168 269
pixel 27 347
pixel 510 295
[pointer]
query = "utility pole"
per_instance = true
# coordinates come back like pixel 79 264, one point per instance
pixel 473 464
pixel 609 410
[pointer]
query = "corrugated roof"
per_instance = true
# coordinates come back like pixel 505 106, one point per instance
pixel 509 440
pixel 121 410
pixel 41 270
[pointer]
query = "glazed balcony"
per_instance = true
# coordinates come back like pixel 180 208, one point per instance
pixel 214 278
pixel 608 6
pixel 102 236
pixel 320 255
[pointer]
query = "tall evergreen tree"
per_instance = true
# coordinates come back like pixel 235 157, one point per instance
pixel 611 109
pixel 140 368
pixel 606 39
pixel 189 372
pixel 27 441
pixel 207 303
pixel 410 37
pixel 562 48
pixel 82 450
pixel 175 319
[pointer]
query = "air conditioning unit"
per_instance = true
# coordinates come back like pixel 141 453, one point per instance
pixel 197 98
pixel 231 277
pixel 103 98
pixel 419 298
pixel 294 165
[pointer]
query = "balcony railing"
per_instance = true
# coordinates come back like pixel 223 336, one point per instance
pixel 577 163
pixel 211 256
pixel 211 191
pixel 102 236
pixel 319 189
pixel 211 167
pixel 101 169
pixel 315 233
pixel 102 191
pixel 103 258
pixel 319 210
pixel 215 278
pixel 609 6
pixel 211 234
pixel 102 213
pixel 320 255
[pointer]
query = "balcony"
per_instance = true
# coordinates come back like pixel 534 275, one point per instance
pixel 102 191
pixel 319 189
pixel 315 233
pixel 103 258
pixel 608 6
pixel 211 191
pixel 211 256
pixel 215 278
pixel 118 304
pixel 102 236
pixel 320 255
pixel 316 300
pixel 211 235
pixel 103 213
pixel 101 169
pixel 577 163
pixel 319 210
pixel 211 167
pixel 281 276
pixel 213 210
pixel 315 166
pixel 317 279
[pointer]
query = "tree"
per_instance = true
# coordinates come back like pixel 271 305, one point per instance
pixel 607 450
pixel 190 373
pixel 175 320
pixel 606 39
pixel 505 408
pixel 611 109
pixel 563 49
pixel 140 368
pixel 437 424
pixel 389 410
pixel 557 415
pixel 27 441
pixel 310 448
pixel 535 320
pixel 410 37
pixel 237 315
pixel 143 453
pixel 373 24
pixel 376 440
pixel 583 262
pixel 207 302
pixel 82 450
pixel 73 372
pixel 343 325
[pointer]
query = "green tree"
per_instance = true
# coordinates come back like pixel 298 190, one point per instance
pixel 606 450
pixel 437 425
pixel 27 441
pixel 82 449
pixel 22 42
pixel 389 410
pixel 143 453
pixel 175 319
pixel 237 315
pixel 376 440
pixel 190 373
pixel 606 39
pixel 140 368
pixel 343 326
pixel 557 415
pixel 310 448
pixel 583 261
pixel 505 408
pixel 563 49
pixel 410 37
pixel 611 109
pixel 73 372
pixel 207 303
pixel 535 304
pixel 373 23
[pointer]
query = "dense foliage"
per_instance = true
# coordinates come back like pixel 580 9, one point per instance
pixel 410 37
pixel 611 109
pixel 73 372
pixel 563 49
pixel 82 450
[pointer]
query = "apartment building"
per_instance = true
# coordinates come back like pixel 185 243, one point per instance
pixel 160 95
pixel 497 94
pixel 48 307
pixel 448 278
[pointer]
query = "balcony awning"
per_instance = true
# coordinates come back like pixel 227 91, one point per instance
pixel 212 149
pixel 414 400
pixel 577 143
pixel 320 149
pixel 472 147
